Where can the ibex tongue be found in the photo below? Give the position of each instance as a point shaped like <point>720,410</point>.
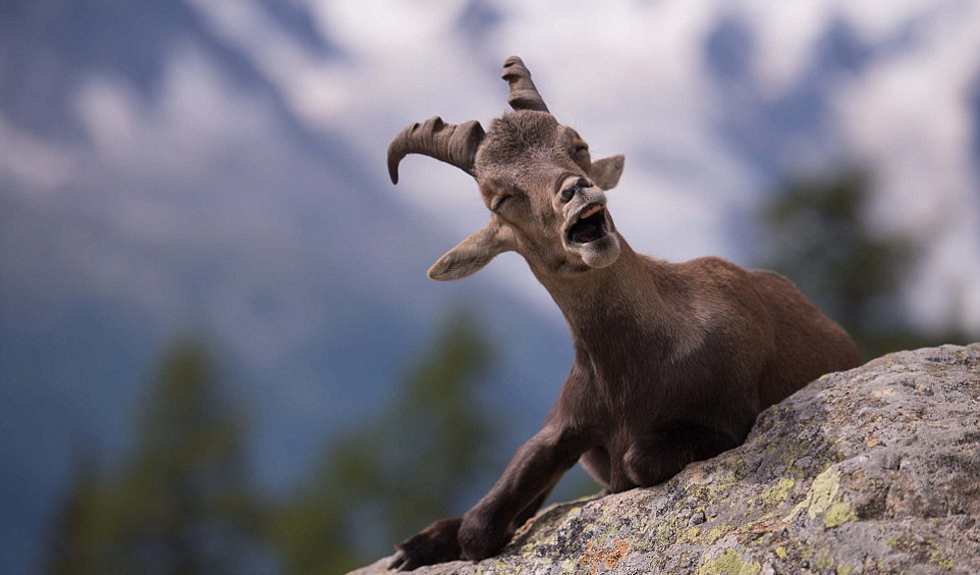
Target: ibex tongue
<point>589,211</point>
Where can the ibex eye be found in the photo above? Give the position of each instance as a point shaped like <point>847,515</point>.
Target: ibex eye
<point>568,193</point>
<point>499,202</point>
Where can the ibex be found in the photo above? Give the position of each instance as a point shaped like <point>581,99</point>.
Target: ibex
<point>673,361</point>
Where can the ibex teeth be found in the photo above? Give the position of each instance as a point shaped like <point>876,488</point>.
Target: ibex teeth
<point>589,211</point>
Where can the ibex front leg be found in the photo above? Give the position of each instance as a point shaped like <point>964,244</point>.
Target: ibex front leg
<point>483,530</point>
<point>535,468</point>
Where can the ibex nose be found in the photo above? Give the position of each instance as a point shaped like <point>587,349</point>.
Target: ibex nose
<point>570,190</point>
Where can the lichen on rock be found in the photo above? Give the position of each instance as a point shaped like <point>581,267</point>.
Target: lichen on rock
<point>870,471</point>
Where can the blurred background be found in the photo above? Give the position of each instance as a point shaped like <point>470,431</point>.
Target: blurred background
<point>219,352</point>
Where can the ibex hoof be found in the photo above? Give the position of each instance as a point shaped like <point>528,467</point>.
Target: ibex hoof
<point>437,543</point>
<point>479,538</point>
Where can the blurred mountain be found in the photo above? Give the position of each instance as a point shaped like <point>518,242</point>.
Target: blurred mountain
<point>136,204</point>
<point>217,169</point>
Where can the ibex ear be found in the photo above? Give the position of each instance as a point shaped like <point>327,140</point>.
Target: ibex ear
<point>471,254</point>
<point>605,172</point>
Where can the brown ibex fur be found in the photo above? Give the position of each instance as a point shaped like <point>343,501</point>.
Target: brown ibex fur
<point>673,362</point>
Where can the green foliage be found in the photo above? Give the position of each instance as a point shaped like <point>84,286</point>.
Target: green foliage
<point>181,504</point>
<point>411,463</point>
<point>818,238</point>
<point>82,537</point>
<point>189,508</point>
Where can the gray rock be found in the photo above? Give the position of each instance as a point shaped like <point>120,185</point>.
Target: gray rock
<point>874,470</point>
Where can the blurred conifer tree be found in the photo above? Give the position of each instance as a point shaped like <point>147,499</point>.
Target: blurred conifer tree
<point>412,463</point>
<point>182,504</point>
<point>82,528</point>
<point>188,506</point>
<point>819,240</point>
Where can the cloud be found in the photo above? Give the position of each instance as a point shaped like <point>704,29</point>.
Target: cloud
<point>32,162</point>
<point>910,118</point>
<point>631,77</point>
<point>202,189</point>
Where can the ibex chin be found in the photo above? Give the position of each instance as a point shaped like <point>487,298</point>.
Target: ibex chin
<point>673,361</point>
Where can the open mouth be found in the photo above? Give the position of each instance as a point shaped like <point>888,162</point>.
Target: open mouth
<point>590,225</point>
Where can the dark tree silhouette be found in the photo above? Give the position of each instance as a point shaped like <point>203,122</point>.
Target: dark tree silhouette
<point>411,464</point>
<point>81,535</point>
<point>818,239</point>
<point>181,504</point>
<point>189,508</point>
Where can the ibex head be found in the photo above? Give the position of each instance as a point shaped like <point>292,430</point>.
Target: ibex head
<point>545,194</point>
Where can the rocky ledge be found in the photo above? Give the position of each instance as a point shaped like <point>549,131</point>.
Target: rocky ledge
<point>873,470</point>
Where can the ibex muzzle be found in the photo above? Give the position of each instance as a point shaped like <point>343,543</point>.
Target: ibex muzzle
<point>673,362</point>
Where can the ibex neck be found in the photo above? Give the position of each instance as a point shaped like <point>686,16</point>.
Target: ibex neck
<point>599,302</point>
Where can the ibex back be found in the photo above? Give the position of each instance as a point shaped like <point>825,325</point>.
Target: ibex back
<point>673,362</point>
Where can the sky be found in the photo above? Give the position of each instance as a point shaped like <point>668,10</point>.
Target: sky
<point>219,166</point>
<point>716,101</point>
<point>712,102</point>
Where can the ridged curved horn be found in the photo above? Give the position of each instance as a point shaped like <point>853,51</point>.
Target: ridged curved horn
<point>450,143</point>
<point>523,95</point>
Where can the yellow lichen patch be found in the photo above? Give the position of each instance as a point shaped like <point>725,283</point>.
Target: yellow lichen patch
<point>715,533</point>
<point>595,555</point>
<point>844,569</point>
<point>939,559</point>
<point>781,552</point>
<point>823,559</point>
<point>822,498</point>
<point>823,491</point>
<point>839,513</point>
<point>779,493</point>
<point>689,536</point>
<point>667,531</point>
<point>729,563</point>
<point>721,482</point>
<point>568,567</point>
